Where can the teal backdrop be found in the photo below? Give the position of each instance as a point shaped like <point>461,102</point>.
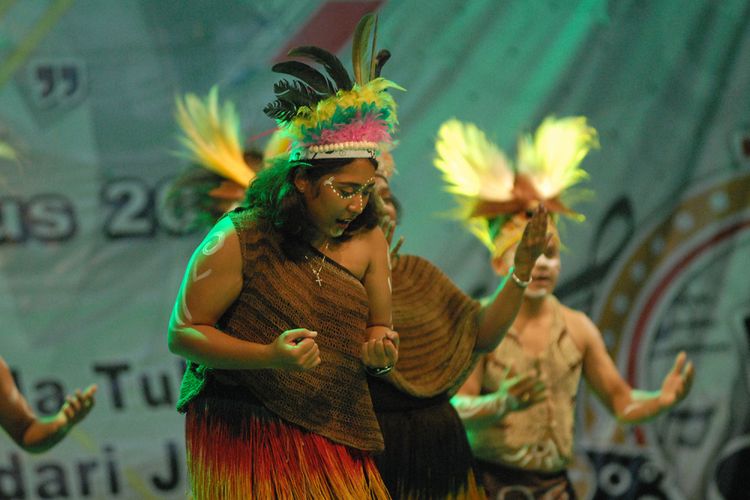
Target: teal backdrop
<point>91,256</point>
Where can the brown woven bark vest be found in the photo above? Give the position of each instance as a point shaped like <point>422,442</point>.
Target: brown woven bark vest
<point>280,294</point>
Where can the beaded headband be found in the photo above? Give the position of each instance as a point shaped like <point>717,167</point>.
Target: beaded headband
<point>352,149</point>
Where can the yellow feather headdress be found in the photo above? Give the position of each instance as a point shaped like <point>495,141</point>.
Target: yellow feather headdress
<point>211,136</point>
<point>221,169</point>
<point>495,196</point>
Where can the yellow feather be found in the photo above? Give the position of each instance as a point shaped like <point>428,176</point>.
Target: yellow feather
<point>210,136</point>
<point>552,157</point>
<point>278,144</point>
<point>480,227</point>
<point>472,165</point>
<point>473,169</point>
<point>6,151</point>
<point>372,92</point>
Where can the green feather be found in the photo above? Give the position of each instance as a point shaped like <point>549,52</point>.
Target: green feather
<point>330,62</point>
<point>360,44</point>
<point>373,58</point>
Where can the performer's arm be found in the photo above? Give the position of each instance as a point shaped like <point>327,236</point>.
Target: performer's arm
<point>377,281</point>
<point>212,282</point>
<point>474,408</point>
<point>38,434</point>
<point>515,393</point>
<point>627,404</point>
<point>500,312</point>
<point>381,348</point>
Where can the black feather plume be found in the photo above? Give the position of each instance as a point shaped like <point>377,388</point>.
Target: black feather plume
<point>309,75</point>
<point>281,110</point>
<point>380,61</point>
<point>330,62</point>
<point>296,92</point>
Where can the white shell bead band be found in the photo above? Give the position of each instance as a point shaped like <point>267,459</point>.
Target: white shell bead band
<point>340,150</point>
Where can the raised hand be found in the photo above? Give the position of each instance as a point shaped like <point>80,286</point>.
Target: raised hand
<point>44,433</point>
<point>78,405</point>
<point>295,350</point>
<point>533,243</point>
<point>678,381</point>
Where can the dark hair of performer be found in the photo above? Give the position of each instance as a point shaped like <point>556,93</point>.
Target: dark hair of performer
<point>274,197</point>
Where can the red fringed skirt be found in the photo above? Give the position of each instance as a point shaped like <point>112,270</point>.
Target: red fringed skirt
<point>239,450</point>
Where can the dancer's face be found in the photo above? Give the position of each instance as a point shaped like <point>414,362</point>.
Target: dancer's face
<point>544,274</point>
<point>338,198</point>
<point>384,191</point>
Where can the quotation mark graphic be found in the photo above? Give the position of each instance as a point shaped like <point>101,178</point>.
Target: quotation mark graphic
<point>57,83</point>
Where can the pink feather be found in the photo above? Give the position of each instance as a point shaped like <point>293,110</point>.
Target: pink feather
<point>369,129</point>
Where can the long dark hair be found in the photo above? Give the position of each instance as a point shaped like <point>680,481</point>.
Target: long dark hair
<point>275,200</point>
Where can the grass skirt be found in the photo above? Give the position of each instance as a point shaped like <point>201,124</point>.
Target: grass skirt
<point>239,450</point>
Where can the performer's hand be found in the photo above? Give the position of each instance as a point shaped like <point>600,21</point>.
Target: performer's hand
<point>77,406</point>
<point>677,383</point>
<point>533,243</point>
<point>295,350</point>
<point>382,352</point>
<point>44,433</point>
<point>389,228</point>
<point>522,391</point>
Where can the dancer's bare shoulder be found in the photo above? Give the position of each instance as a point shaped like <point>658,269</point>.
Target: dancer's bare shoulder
<point>582,330</point>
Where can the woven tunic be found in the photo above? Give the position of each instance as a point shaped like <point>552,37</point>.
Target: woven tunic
<point>280,294</point>
<point>539,438</point>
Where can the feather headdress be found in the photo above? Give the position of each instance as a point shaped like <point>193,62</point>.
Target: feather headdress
<point>336,116</point>
<point>221,170</point>
<point>493,194</point>
<point>211,136</point>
